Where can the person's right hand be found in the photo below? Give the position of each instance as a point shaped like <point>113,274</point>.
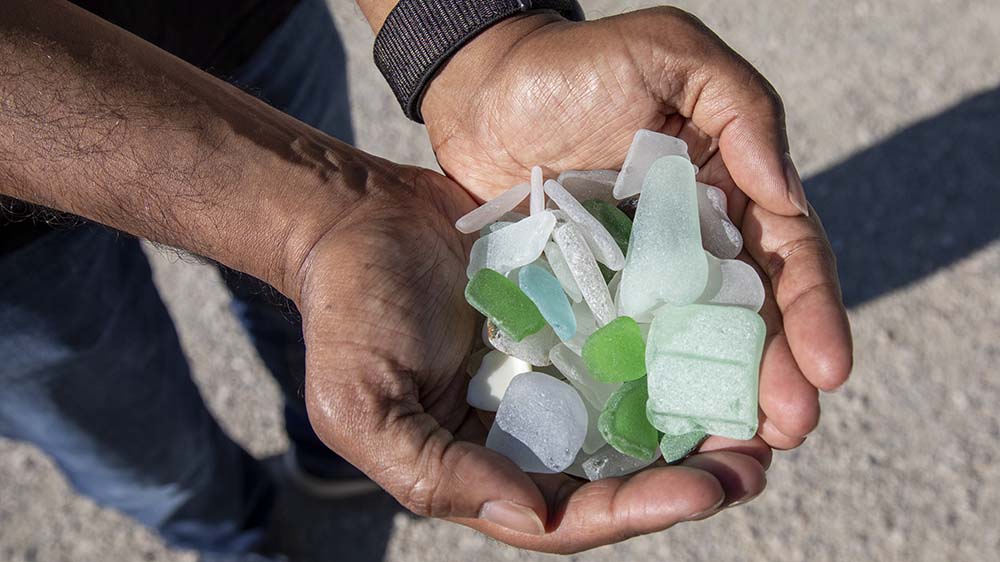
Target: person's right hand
<point>388,333</point>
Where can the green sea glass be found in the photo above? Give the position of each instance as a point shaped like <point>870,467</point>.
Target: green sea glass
<point>703,364</point>
<point>676,447</point>
<point>616,352</point>
<point>499,299</point>
<point>614,220</point>
<point>624,425</point>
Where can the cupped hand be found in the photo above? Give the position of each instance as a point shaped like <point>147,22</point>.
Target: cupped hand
<point>388,333</point>
<point>541,90</point>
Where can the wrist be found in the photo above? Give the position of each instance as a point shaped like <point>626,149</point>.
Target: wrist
<point>455,85</point>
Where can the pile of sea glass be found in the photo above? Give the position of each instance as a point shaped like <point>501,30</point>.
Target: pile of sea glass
<point>613,341</point>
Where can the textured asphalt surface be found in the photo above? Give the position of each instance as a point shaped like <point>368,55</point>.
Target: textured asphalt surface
<point>894,118</point>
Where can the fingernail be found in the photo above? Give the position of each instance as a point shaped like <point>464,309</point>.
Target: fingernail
<point>512,516</point>
<point>796,193</point>
<point>708,512</point>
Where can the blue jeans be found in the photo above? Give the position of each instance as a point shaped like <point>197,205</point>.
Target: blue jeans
<point>92,371</point>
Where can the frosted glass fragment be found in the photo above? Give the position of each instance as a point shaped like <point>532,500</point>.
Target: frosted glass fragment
<point>493,209</point>
<point>666,262</point>
<point>537,204</point>
<point>734,283</point>
<point>594,440</point>
<point>510,447</point>
<point>576,469</point>
<point>571,365</point>
<point>676,447</point>
<point>604,247</point>
<point>518,244</point>
<point>547,416</point>
<point>534,348</point>
<point>492,377</point>
<point>609,463</point>
<point>589,184</point>
<point>703,363</point>
<point>585,271</point>
<point>647,146</point>
<point>586,324</point>
<point>545,291</point>
<point>718,234</point>
<point>561,270</point>
<point>493,227</point>
<point>499,299</point>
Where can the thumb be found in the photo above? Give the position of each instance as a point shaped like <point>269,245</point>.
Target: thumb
<point>737,106</point>
<point>379,427</point>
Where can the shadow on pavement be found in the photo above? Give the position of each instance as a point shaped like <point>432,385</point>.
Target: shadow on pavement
<point>916,202</point>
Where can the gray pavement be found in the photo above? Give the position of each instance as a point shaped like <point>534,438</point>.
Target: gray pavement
<point>894,117</point>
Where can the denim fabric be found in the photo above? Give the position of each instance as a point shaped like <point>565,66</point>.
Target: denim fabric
<point>92,371</point>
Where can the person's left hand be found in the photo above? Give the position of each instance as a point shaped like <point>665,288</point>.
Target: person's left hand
<point>537,89</point>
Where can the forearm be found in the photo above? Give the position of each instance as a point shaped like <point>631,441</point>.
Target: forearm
<point>96,122</point>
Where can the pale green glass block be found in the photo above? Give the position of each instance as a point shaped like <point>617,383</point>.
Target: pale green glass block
<point>676,447</point>
<point>513,246</point>
<point>666,262</point>
<point>571,365</point>
<point>703,363</point>
<point>545,291</point>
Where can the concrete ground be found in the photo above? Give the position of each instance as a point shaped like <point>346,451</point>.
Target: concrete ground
<point>894,118</point>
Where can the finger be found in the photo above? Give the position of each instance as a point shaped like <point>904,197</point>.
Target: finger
<point>756,448</point>
<point>795,255</point>
<point>407,452</point>
<point>789,400</point>
<point>738,106</point>
<point>592,514</point>
<point>742,477</point>
<point>775,438</point>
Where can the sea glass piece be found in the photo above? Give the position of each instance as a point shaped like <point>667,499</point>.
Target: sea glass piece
<point>676,447</point>
<point>513,246</point>
<point>534,348</point>
<point>666,262</point>
<point>547,416</point>
<point>616,352</point>
<point>604,247</point>
<point>647,147</point>
<point>594,440</point>
<point>593,391</point>
<point>499,299</point>
<point>492,378</point>
<point>733,283</point>
<point>613,219</point>
<point>610,463</point>
<point>493,227</point>
<point>703,364</point>
<point>492,210</point>
<point>586,324</point>
<point>584,269</point>
<point>537,203</point>
<point>589,184</point>
<point>512,448</point>
<point>561,270</point>
<point>718,234</point>
<point>545,291</point>
<point>624,425</point>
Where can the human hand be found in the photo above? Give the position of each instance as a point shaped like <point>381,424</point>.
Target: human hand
<point>388,333</point>
<point>541,90</point>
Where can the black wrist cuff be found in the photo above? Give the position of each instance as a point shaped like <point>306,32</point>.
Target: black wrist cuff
<point>419,36</point>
